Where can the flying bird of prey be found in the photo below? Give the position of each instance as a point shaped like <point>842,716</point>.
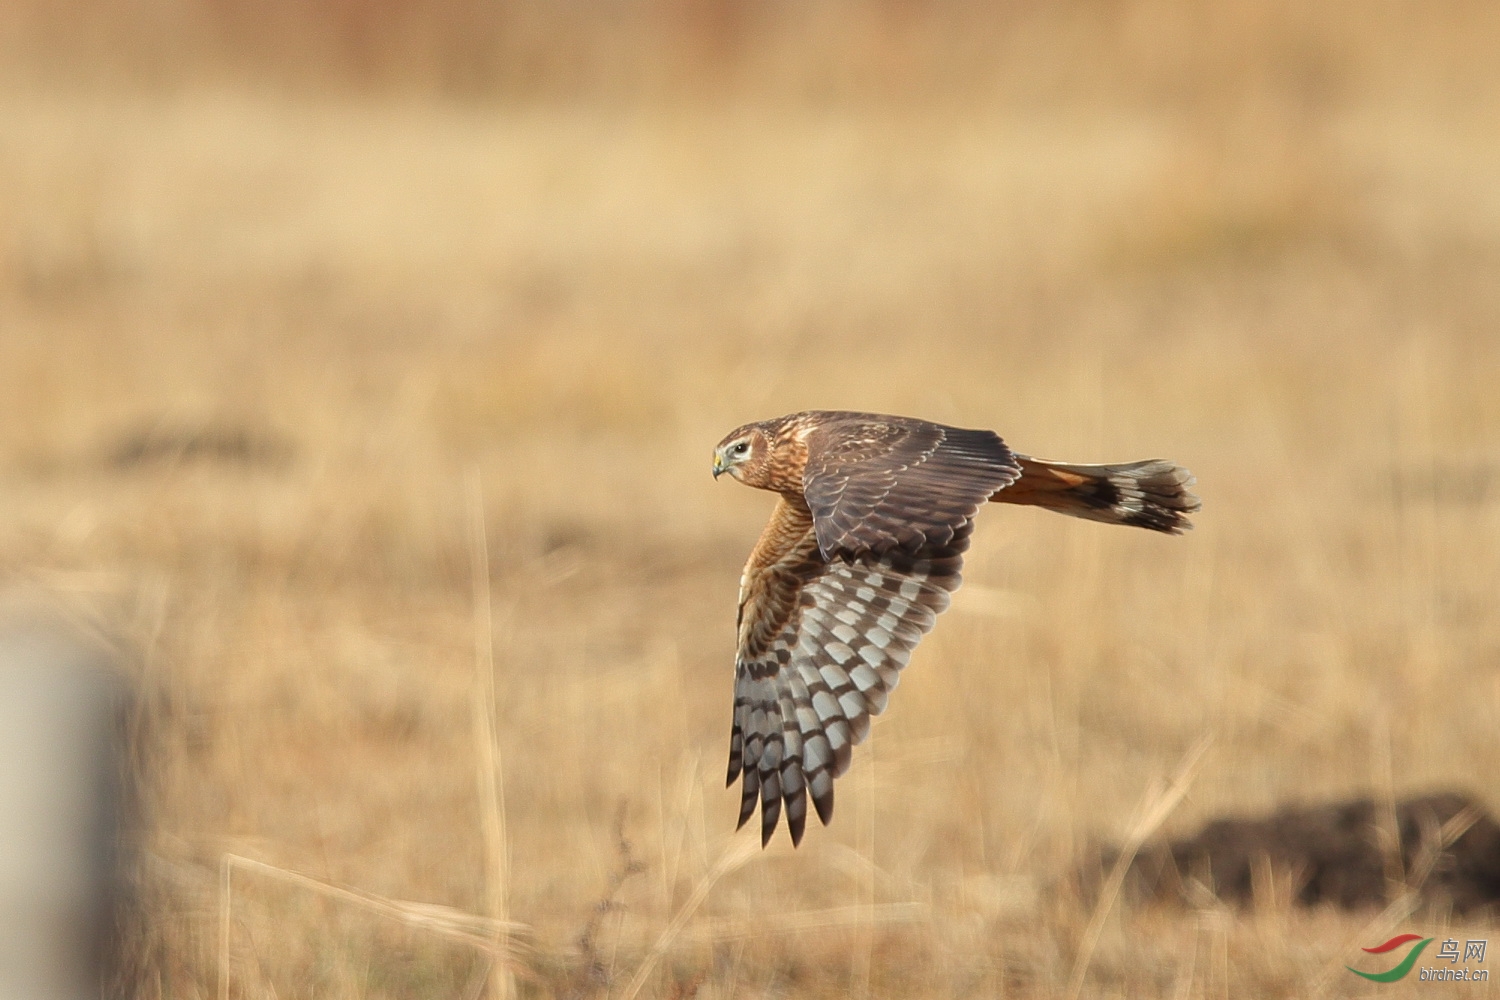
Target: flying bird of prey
<point>859,557</point>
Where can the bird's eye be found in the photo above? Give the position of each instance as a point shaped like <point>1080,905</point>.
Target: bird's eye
<point>740,449</point>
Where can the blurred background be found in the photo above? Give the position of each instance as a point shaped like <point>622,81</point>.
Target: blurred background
<point>356,356</point>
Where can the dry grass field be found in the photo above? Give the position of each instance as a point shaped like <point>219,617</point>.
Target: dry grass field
<point>294,345</point>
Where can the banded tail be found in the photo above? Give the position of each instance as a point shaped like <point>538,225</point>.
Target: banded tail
<point>1151,494</point>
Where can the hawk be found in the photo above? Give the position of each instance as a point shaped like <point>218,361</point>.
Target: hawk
<point>860,555</point>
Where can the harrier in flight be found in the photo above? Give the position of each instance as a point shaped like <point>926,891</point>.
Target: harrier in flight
<point>860,555</point>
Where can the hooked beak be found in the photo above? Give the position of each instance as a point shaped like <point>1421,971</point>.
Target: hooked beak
<point>719,467</point>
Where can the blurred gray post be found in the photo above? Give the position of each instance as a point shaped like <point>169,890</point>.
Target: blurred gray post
<point>60,706</point>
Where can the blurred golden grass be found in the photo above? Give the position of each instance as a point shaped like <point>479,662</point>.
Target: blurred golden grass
<point>1263,244</point>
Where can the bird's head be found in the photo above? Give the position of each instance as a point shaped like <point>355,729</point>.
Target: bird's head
<point>745,453</point>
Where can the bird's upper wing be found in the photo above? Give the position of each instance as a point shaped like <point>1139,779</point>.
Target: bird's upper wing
<point>875,483</point>
<point>821,645</point>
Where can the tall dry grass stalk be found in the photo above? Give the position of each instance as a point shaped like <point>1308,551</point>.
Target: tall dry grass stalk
<point>491,775</point>
<point>1151,813</point>
<point>735,853</point>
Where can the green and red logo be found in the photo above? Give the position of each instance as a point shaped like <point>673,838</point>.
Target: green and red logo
<point>1405,965</point>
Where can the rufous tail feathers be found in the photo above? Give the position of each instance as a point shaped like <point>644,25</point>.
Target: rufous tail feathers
<point>1151,494</point>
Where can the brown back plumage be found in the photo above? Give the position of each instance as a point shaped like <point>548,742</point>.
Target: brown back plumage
<point>874,483</point>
